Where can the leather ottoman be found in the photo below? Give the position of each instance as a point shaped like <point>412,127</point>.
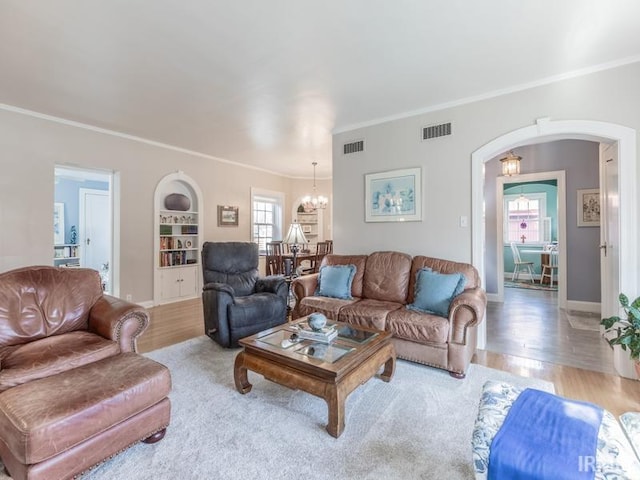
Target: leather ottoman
<point>62,425</point>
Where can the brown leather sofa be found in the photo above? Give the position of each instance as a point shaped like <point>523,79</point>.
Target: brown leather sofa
<point>384,283</point>
<point>72,389</point>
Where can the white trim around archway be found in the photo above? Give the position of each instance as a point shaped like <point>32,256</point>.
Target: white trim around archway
<point>546,130</point>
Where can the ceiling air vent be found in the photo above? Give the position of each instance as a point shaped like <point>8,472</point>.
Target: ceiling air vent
<point>435,131</point>
<point>353,147</point>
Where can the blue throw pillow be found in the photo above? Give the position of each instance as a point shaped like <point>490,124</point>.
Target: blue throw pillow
<point>335,281</point>
<point>434,291</point>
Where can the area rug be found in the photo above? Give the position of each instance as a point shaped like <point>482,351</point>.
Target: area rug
<point>529,286</point>
<point>584,320</point>
<point>417,426</point>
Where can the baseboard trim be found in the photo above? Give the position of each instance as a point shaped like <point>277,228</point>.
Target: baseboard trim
<point>148,304</point>
<point>523,275</point>
<point>493,297</point>
<point>593,307</point>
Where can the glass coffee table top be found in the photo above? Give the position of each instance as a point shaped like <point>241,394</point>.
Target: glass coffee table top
<point>327,352</point>
<point>349,338</point>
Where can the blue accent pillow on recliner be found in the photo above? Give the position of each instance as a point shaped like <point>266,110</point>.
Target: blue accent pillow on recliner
<point>434,291</point>
<point>335,281</point>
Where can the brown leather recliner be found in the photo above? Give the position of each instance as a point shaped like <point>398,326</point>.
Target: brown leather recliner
<point>67,349</point>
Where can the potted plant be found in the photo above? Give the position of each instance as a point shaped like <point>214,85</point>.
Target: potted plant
<point>626,331</point>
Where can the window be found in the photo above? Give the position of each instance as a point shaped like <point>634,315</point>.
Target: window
<point>266,217</point>
<point>524,218</point>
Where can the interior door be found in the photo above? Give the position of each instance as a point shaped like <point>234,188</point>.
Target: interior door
<point>609,229</point>
<point>95,231</point>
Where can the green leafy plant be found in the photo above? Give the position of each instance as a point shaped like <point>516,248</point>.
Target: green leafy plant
<point>626,330</point>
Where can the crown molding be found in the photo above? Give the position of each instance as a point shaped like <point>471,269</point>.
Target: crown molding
<point>493,94</point>
<point>134,138</point>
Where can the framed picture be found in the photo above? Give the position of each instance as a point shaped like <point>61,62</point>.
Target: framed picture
<point>393,196</point>
<point>306,228</point>
<point>227,216</point>
<point>588,207</point>
<point>58,223</point>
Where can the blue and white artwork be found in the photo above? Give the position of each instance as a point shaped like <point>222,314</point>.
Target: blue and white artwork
<point>393,196</point>
<point>58,223</point>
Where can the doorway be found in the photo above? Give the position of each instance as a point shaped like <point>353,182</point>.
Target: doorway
<point>95,232</point>
<point>87,199</point>
<point>531,239</point>
<point>545,130</point>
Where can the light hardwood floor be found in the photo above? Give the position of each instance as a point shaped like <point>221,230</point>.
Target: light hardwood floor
<point>177,322</point>
<point>529,324</point>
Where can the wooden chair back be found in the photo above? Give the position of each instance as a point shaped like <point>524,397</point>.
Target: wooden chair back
<point>330,246</point>
<point>322,248</point>
<point>274,261</point>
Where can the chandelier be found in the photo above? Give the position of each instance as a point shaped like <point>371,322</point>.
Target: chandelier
<point>315,201</point>
<point>510,164</point>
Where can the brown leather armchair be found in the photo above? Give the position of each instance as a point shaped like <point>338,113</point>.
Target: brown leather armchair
<point>55,319</point>
<point>67,349</point>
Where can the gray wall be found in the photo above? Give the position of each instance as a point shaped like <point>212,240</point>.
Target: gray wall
<point>579,160</point>
<point>609,96</point>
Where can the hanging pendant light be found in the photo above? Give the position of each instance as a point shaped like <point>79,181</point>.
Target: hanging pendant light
<point>523,203</point>
<point>314,202</point>
<point>510,164</point>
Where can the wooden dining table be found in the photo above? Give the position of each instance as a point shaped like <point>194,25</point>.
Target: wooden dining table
<point>300,257</point>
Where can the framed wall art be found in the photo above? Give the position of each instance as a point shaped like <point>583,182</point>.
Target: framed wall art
<point>393,196</point>
<point>588,207</point>
<point>227,216</point>
<point>58,223</point>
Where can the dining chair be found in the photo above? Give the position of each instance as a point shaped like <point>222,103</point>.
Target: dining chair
<point>518,263</point>
<point>329,246</point>
<point>274,261</point>
<point>550,266</point>
<point>322,248</point>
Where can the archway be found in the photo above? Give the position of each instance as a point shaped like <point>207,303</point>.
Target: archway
<point>547,130</point>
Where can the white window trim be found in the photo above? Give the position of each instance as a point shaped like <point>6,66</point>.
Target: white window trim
<point>542,197</point>
<point>279,198</point>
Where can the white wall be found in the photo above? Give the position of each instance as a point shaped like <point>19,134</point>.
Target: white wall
<point>31,147</point>
<point>608,96</point>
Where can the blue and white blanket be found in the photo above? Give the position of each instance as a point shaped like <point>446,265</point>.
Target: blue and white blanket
<point>546,437</point>
<point>614,458</point>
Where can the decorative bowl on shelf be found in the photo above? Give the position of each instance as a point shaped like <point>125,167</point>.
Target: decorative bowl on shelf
<point>317,321</point>
<point>177,201</point>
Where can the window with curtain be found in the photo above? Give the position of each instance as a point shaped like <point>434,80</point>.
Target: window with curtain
<point>524,218</point>
<point>266,217</point>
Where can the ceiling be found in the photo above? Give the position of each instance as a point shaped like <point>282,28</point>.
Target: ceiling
<point>265,83</point>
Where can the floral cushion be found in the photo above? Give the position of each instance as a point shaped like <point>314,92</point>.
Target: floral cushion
<point>631,423</point>
<point>615,458</point>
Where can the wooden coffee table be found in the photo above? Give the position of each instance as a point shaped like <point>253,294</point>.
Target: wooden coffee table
<point>330,371</point>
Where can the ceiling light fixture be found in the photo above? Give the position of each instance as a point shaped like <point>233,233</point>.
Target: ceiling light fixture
<point>315,201</point>
<point>510,164</point>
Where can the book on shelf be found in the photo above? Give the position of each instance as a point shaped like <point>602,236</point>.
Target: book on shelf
<point>325,334</point>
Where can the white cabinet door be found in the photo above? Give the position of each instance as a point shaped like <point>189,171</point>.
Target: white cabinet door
<point>170,283</point>
<point>179,282</point>
<point>188,281</point>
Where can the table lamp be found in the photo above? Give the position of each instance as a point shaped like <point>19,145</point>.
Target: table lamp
<point>294,238</point>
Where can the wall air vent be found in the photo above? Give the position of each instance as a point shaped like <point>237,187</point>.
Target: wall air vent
<point>353,147</point>
<point>435,131</point>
